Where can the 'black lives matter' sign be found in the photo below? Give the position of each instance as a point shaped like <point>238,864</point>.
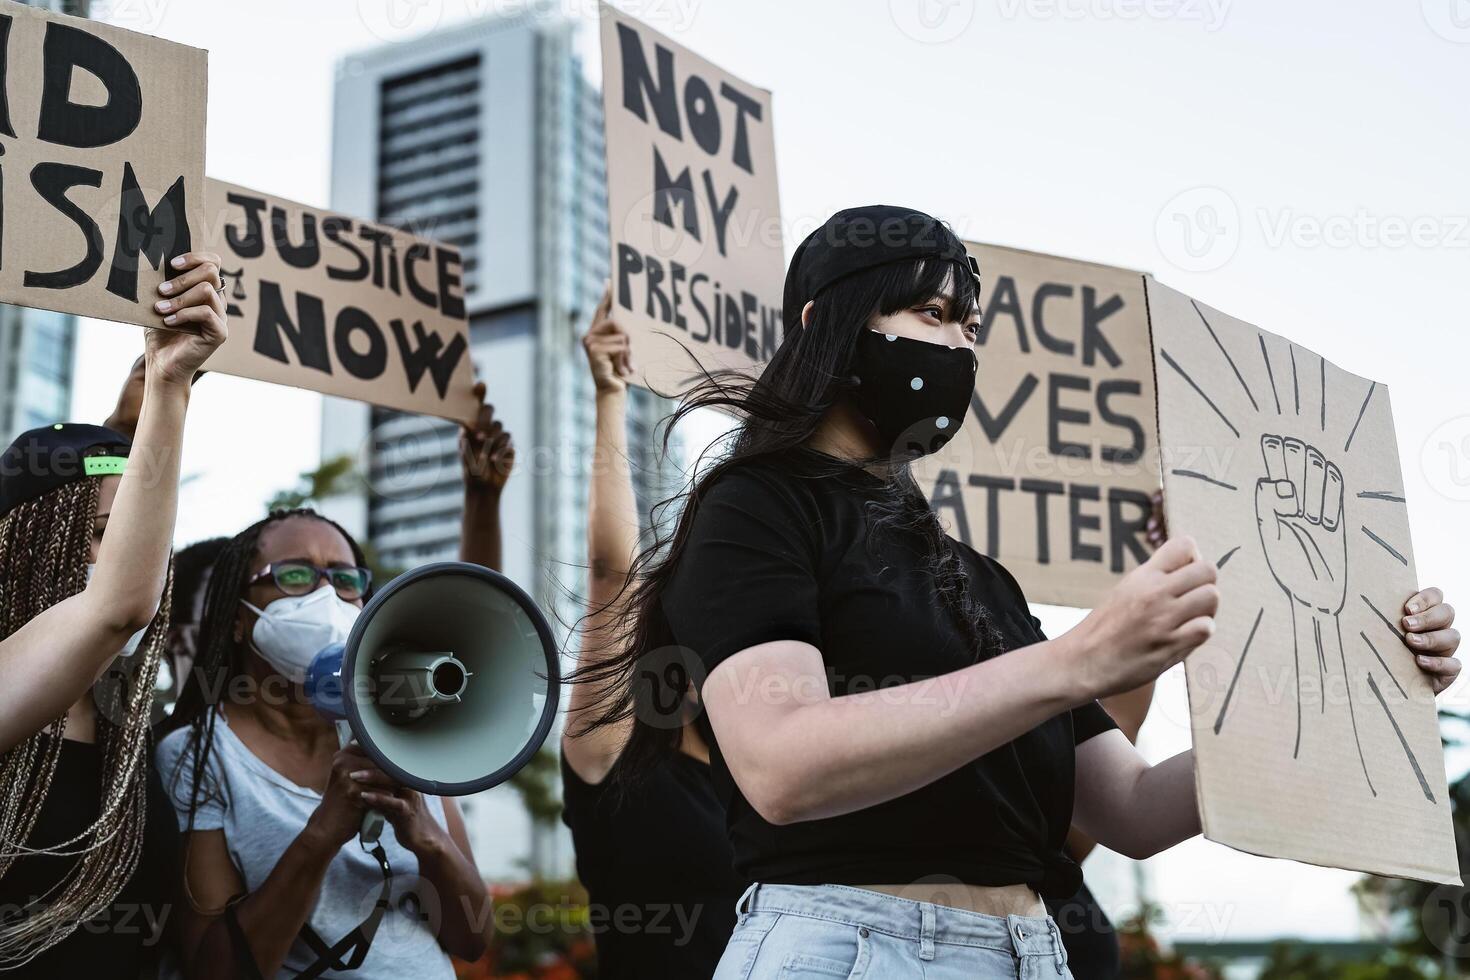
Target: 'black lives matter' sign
<point>101,161</point>
<point>339,305</point>
<point>693,208</point>
<point>1057,462</point>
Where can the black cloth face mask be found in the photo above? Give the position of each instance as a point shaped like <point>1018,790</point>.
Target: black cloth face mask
<point>915,393</point>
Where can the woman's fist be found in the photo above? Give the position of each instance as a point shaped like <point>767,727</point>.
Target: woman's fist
<point>193,313</point>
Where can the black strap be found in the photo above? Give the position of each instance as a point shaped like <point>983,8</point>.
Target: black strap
<point>358,941</point>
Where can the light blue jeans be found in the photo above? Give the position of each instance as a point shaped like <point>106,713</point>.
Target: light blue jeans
<point>811,931</point>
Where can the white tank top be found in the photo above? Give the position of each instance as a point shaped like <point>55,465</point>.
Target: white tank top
<point>262,813</point>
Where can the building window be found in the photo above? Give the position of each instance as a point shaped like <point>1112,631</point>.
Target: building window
<point>429,155</point>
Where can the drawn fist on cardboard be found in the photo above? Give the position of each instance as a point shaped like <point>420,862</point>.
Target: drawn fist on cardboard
<point>1299,511</point>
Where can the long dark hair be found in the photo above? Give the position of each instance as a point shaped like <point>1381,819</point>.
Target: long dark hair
<point>221,659</point>
<point>778,413</point>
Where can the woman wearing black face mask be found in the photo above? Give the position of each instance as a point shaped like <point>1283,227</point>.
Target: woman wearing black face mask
<point>908,831</point>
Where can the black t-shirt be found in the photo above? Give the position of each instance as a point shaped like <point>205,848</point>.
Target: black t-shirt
<point>126,936</point>
<point>776,552</point>
<point>658,870</point>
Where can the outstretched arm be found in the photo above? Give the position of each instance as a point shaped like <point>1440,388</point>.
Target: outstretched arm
<point>859,751</point>
<point>1128,711</point>
<point>1127,805</point>
<point>51,661</point>
<point>612,542</point>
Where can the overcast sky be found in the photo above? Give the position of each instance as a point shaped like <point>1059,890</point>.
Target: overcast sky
<point>1298,165</point>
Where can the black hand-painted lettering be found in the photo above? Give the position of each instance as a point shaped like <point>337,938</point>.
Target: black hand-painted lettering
<point>52,181</point>
<point>307,333</point>
<point>158,233</point>
<point>63,121</point>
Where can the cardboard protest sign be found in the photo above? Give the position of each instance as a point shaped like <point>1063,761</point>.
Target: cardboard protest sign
<point>1054,469</point>
<point>339,305</point>
<point>102,132</point>
<point>693,208</point>
<point>1315,735</point>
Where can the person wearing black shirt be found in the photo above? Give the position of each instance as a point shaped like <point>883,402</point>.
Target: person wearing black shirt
<point>899,748</point>
<point>653,856</point>
<point>86,525</point>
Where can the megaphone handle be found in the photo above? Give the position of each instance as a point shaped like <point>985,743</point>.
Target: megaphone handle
<point>372,820</point>
<point>372,829</point>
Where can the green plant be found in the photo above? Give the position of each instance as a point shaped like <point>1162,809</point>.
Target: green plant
<point>1295,963</point>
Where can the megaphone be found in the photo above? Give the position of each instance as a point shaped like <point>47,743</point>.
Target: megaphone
<point>449,681</point>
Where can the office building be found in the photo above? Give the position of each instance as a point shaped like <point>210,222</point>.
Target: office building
<point>488,136</point>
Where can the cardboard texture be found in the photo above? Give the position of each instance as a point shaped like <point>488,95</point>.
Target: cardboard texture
<point>1053,471</point>
<point>693,209</point>
<point>338,305</point>
<point>103,141</point>
<point>1316,737</point>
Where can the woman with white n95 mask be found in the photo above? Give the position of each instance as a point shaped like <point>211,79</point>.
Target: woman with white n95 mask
<point>270,804</point>
<point>290,632</point>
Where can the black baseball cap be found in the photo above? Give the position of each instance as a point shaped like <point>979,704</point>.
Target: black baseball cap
<point>858,239</point>
<point>54,456</point>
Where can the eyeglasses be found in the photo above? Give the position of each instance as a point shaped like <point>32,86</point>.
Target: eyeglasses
<point>302,578</point>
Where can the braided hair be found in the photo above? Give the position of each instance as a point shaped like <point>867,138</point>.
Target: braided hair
<point>44,551</point>
<point>221,659</point>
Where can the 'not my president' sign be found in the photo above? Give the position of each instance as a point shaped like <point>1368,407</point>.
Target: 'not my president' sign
<point>339,305</point>
<point>693,208</point>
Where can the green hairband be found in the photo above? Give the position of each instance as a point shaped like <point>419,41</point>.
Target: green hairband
<point>104,465</point>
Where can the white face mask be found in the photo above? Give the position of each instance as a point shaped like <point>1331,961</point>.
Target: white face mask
<point>291,631</point>
<point>134,641</point>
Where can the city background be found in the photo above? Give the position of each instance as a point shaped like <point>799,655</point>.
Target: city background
<point>1264,157</point>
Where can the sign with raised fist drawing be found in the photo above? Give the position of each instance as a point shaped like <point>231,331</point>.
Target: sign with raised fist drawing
<point>1316,737</point>
<point>1299,512</point>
